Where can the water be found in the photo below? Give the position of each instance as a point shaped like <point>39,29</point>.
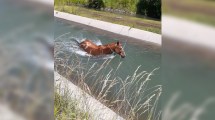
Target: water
<point>27,65</point>
<point>188,80</point>
<point>139,54</point>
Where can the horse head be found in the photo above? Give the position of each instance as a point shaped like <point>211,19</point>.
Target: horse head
<point>119,49</point>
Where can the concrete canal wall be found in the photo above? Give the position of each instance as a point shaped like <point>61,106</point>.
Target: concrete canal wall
<point>88,104</point>
<point>114,28</point>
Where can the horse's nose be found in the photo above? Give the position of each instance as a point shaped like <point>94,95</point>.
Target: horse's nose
<point>123,56</point>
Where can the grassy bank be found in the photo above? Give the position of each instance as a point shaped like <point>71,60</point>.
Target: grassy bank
<point>65,108</point>
<point>149,8</point>
<point>128,5</point>
<point>196,10</point>
<point>134,22</point>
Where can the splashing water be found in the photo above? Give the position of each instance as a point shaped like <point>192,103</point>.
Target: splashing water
<point>69,43</point>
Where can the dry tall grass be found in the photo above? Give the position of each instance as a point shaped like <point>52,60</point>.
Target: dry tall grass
<point>130,97</point>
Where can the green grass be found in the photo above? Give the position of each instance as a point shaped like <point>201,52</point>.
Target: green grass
<point>65,2</point>
<point>133,22</point>
<point>127,5</point>
<point>65,108</point>
<point>200,18</point>
<point>205,3</point>
<point>195,14</point>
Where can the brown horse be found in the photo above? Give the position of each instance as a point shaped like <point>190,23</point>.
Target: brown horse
<point>95,50</point>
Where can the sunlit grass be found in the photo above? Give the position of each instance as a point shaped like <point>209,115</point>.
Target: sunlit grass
<point>129,5</point>
<point>131,21</point>
<point>196,10</point>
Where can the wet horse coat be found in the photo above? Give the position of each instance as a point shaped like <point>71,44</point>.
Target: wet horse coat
<point>95,50</point>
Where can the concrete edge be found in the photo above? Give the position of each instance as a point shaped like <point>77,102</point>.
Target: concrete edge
<point>188,31</point>
<point>114,28</point>
<point>6,113</point>
<point>46,2</point>
<point>86,102</point>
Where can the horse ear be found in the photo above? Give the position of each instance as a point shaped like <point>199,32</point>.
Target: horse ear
<point>117,42</point>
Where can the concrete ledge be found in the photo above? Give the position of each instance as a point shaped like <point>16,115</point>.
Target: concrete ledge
<point>188,31</point>
<point>97,110</point>
<point>6,113</point>
<point>114,28</point>
<point>47,2</point>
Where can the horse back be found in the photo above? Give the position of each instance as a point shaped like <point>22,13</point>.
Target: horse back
<point>88,45</point>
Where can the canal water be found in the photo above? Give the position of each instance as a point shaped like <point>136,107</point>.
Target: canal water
<point>26,73</point>
<point>139,54</point>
